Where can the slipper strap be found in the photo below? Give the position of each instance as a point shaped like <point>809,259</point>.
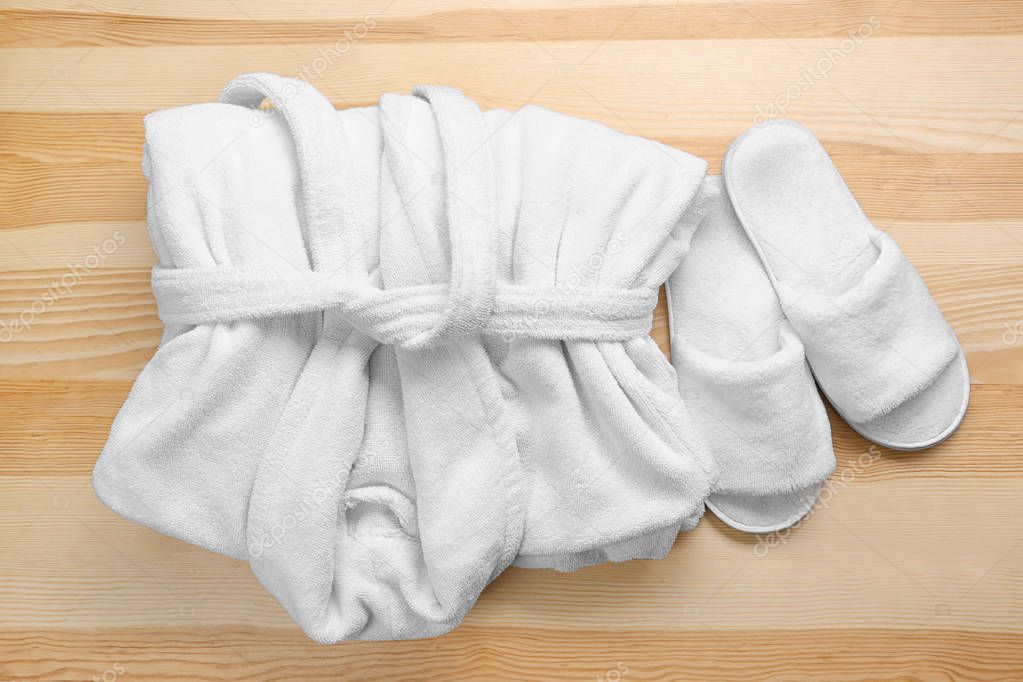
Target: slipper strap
<point>879,343</point>
<point>768,429</point>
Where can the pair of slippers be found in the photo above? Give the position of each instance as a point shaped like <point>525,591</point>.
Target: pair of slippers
<point>787,281</point>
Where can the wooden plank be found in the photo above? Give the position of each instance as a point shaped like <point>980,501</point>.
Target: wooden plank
<point>49,24</point>
<point>515,654</point>
<point>958,104</point>
<point>102,324</point>
<point>50,177</point>
<point>861,558</point>
<point>57,428</point>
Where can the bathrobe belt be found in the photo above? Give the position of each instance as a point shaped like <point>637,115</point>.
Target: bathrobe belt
<point>404,316</point>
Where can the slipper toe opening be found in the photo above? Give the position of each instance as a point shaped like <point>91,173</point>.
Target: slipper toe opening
<point>764,513</point>
<point>926,419</point>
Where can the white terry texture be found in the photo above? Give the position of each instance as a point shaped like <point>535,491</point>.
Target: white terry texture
<point>874,336</point>
<point>389,415</point>
<point>744,377</point>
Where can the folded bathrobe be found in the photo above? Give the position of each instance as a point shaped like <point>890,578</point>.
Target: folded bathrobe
<point>405,346</point>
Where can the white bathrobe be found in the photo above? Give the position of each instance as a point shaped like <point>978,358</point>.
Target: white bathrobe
<point>405,346</point>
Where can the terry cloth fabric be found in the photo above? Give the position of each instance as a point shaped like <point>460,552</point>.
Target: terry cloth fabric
<point>406,345</point>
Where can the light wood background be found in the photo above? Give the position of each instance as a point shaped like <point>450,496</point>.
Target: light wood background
<point>913,569</point>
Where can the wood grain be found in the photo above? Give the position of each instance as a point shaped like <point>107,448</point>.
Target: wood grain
<point>911,567</point>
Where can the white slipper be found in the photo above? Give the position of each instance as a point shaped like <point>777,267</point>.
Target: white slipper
<point>875,339</point>
<point>744,378</point>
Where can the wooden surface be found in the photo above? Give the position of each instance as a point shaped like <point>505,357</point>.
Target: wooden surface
<point>913,569</point>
